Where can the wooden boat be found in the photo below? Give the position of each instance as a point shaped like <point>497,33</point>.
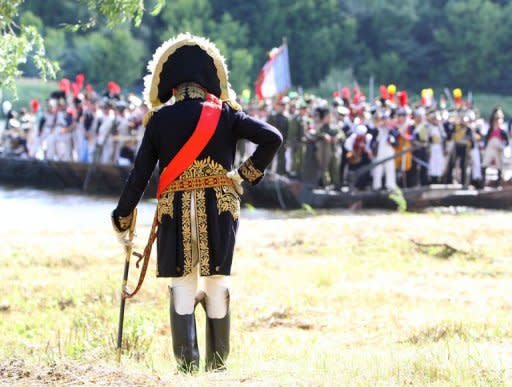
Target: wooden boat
<point>274,191</point>
<point>104,179</point>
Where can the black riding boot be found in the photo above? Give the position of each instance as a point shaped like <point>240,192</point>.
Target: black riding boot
<point>184,339</point>
<point>217,339</point>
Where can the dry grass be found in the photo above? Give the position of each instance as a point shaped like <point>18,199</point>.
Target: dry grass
<point>338,299</point>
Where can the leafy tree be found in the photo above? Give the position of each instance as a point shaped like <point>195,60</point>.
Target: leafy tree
<point>21,42</point>
<point>18,42</point>
<point>414,43</point>
<point>197,17</point>
<point>471,41</point>
<point>107,55</point>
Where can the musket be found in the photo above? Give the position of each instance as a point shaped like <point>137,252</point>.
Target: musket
<point>128,252</point>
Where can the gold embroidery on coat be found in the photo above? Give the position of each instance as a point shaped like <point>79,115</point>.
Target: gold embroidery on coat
<point>166,205</point>
<point>227,198</point>
<point>249,171</point>
<point>228,201</point>
<point>186,232</point>
<point>202,232</point>
<point>189,90</point>
<point>204,167</point>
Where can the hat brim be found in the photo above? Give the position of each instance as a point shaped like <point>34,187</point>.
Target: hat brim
<point>204,63</point>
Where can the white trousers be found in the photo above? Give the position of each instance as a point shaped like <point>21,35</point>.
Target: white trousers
<point>215,287</point>
<point>387,168</point>
<point>185,289</point>
<point>436,162</point>
<point>476,164</point>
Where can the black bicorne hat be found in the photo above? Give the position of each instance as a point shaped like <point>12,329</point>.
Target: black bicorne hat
<point>186,58</point>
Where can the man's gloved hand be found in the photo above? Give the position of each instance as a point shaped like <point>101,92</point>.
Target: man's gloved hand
<point>121,225</point>
<point>237,181</point>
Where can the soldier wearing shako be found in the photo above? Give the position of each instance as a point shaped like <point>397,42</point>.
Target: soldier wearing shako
<point>194,141</point>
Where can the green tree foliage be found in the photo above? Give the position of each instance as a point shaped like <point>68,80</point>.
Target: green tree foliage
<point>106,55</point>
<point>22,39</point>
<point>413,43</point>
<point>198,17</point>
<point>472,41</point>
<point>18,43</point>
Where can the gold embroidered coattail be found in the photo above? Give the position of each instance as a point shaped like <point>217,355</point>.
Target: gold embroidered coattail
<point>186,231</point>
<point>202,232</point>
<point>166,205</point>
<point>249,172</point>
<point>227,201</point>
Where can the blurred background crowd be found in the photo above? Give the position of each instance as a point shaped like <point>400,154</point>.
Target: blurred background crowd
<point>348,140</point>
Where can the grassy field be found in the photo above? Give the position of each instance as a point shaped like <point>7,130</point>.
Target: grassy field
<point>341,299</point>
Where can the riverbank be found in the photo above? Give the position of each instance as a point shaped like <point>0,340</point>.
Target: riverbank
<point>317,300</point>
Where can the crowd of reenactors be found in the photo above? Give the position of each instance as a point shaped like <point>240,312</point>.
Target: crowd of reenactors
<point>385,143</point>
<point>348,140</point>
<point>76,124</point>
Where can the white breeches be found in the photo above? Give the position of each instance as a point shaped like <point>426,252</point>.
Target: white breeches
<point>476,164</point>
<point>185,289</point>
<point>387,168</point>
<point>215,287</point>
<point>436,162</point>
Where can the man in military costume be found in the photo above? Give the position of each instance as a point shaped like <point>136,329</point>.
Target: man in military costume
<point>461,136</point>
<point>295,134</point>
<point>436,135</point>
<point>280,121</point>
<point>384,141</point>
<point>359,155</point>
<point>421,153</point>
<point>329,138</point>
<point>198,209</point>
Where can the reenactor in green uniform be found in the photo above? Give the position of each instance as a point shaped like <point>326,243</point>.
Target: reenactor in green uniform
<point>295,134</point>
<point>329,138</point>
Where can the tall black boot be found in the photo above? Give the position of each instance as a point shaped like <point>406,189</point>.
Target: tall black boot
<point>184,339</point>
<point>217,339</point>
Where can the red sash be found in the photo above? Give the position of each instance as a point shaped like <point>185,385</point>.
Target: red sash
<point>204,131</point>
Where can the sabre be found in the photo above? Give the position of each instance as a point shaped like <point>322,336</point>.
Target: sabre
<point>128,251</point>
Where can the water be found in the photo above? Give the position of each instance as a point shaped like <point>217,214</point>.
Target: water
<point>23,208</point>
<point>45,208</point>
<point>29,207</point>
